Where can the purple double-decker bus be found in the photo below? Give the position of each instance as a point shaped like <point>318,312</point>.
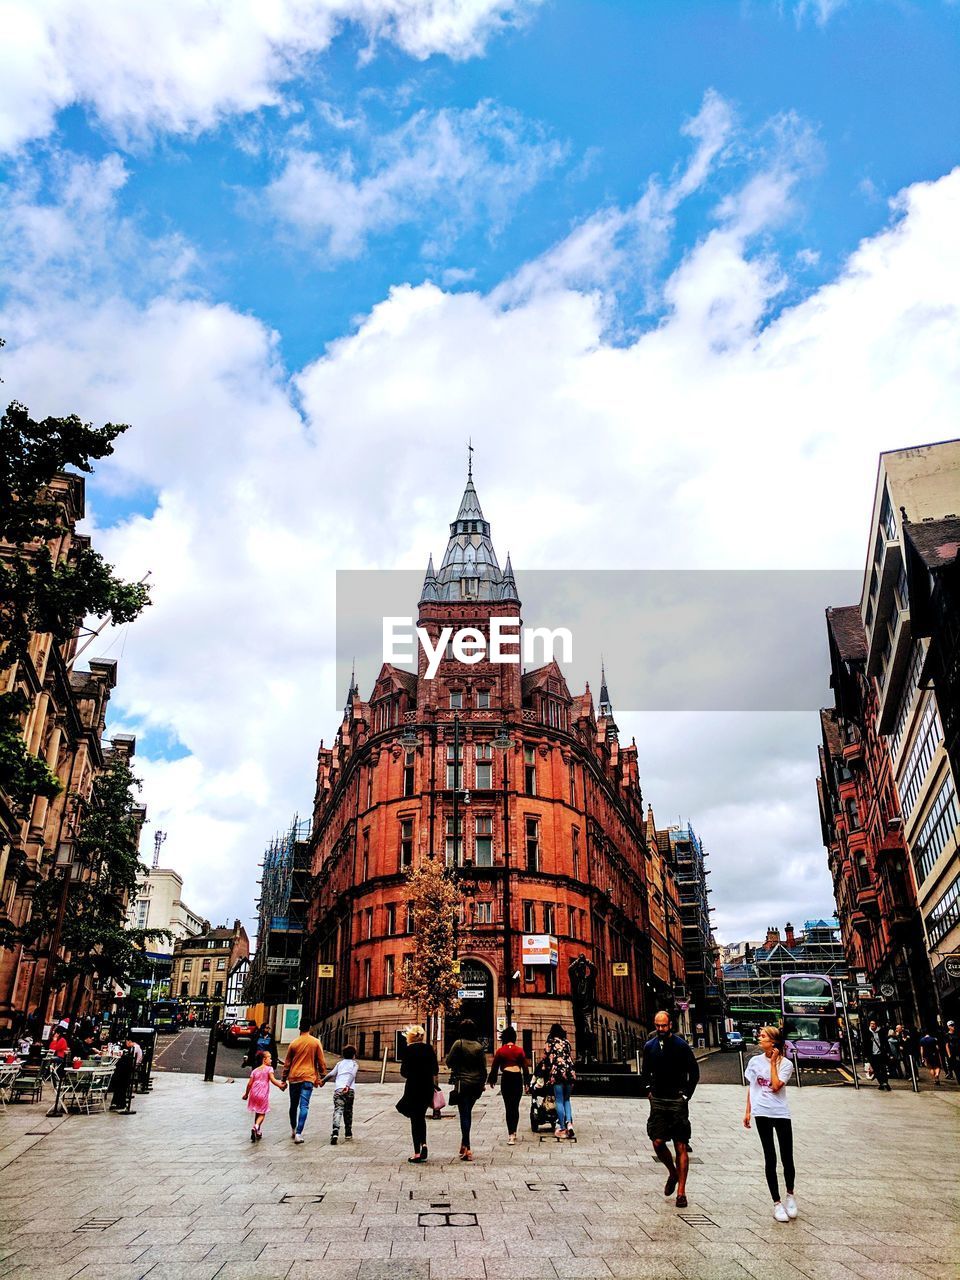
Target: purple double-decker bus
<point>810,1026</point>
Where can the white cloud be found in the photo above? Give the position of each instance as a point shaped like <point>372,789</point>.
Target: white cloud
<point>184,67</point>
<point>64,234</point>
<point>458,167</point>
<point>822,10</point>
<point>720,437</point>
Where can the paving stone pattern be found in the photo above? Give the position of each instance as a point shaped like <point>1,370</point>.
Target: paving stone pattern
<point>178,1192</point>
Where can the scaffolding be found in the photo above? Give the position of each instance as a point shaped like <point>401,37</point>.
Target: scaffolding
<point>752,987</point>
<point>275,968</point>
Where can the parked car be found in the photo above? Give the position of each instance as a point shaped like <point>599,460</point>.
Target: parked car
<point>223,1028</point>
<point>734,1040</point>
<point>242,1029</point>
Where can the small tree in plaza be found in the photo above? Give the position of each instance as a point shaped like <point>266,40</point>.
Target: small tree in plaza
<point>430,986</point>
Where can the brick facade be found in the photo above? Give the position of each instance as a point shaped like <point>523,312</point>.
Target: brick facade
<point>862,826</point>
<point>554,825</point>
<point>64,724</point>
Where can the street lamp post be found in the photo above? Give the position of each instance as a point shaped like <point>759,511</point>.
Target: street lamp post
<point>501,743</point>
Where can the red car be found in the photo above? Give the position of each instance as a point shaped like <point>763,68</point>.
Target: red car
<point>244,1029</point>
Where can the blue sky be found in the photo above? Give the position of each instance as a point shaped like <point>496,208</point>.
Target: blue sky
<point>611,84</point>
<point>681,270</point>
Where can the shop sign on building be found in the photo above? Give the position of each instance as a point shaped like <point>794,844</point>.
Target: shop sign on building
<point>324,970</point>
<point>620,968</point>
<point>540,948</point>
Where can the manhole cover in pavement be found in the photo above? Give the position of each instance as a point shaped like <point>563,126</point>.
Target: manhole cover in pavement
<point>97,1224</point>
<point>698,1220</point>
<point>301,1199</point>
<point>547,1186</point>
<point>446,1219</point>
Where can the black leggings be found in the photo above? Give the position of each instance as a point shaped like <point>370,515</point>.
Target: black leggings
<point>468,1095</point>
<point>511,1090</point>
<point>418,1131</point>
<point>767,1126</point>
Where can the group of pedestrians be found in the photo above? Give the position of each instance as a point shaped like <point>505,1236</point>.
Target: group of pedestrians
<point>469,1076</point>
<point>669,1076</point>
<point>304,1069</point>
<point>890,1051</point>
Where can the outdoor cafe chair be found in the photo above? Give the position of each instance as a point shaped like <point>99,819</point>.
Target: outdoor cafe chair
<point>29,1080</point>
<point>8,1074</point>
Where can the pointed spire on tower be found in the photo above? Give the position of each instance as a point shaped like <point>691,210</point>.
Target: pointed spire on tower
<point>429,591</point>
<point>469,569</point>
<point>605,707</point>
<point>509,589</point>
<point>353,690</point>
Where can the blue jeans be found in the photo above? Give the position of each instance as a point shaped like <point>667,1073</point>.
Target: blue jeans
<point>561,1094</point>
<point>300,1094</point>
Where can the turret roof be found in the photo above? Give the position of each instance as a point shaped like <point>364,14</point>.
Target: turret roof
<point>470,569</point>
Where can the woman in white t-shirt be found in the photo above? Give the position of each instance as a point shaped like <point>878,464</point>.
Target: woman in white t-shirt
<point>767,1075</point>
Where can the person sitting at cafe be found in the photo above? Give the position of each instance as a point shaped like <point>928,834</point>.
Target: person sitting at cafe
<point>35,1052</point>
<point>58,1045</point>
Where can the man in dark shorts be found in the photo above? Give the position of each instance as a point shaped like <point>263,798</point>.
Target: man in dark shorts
<point>670,1074</point>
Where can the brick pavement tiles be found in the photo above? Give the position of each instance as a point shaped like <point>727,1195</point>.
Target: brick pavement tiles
<point>178,1192</point>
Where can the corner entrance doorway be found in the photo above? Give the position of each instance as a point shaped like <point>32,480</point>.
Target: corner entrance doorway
<point>476,1002</point>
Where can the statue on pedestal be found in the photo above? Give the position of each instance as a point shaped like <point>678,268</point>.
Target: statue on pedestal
<point>583,992</point>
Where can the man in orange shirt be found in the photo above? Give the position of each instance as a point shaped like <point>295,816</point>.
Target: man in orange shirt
<point>303,1069</point>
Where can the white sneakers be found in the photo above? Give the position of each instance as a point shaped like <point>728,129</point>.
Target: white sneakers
<point>298,1137</point>
<point>791,1207</point>
<point>780,1213</point>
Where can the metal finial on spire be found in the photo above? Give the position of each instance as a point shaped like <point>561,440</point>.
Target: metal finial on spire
<point>469,457</point>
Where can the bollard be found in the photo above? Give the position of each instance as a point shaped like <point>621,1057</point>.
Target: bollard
<point>383,1067</point>
<point>796,1063</point>
<point>742,1076</point>
<point>211,1064</point>
<point>638,1062</point>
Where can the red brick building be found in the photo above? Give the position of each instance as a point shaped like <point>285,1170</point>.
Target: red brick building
<point>862,828</point>
<point>551,838</point>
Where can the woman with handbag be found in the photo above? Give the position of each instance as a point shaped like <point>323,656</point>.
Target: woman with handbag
<point>420,1070</point>
<point>558,1061</point>
<point>468,1067</point>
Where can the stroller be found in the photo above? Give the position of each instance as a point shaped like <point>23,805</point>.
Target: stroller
<point>543,1109</point>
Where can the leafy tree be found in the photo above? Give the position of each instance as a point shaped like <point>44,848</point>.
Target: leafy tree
<point>430,986</point>
<point>94,933</point>
<point>36,593</point>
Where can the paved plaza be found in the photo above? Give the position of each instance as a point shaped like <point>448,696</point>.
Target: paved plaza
<point>178,1192</point>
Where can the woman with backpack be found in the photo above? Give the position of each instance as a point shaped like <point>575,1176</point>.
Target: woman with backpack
<point>468,1075</point>
<point>560,1075</point>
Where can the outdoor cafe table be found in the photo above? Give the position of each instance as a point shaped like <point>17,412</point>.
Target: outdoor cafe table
<point>74,1084</point>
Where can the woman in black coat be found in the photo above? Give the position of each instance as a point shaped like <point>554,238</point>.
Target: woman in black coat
<point>421,1071</point>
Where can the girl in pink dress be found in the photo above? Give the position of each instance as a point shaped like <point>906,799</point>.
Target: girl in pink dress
<point>258,1092</point>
